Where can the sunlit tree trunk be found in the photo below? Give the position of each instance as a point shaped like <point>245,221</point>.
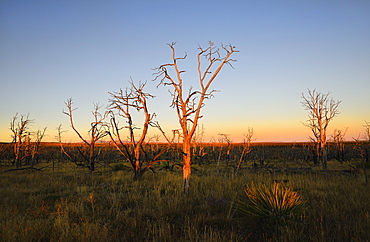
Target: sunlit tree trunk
<point>186,164</point>
<point>188,106</point>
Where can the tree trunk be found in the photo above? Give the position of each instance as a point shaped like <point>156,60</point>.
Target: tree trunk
<point>91,159</point>
<point>138,174</point>
<point>186,169</point>
<point>324,158</point>
<point>316,155</point>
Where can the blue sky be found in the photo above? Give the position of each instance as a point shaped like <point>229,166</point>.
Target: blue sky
<point>54,50</point>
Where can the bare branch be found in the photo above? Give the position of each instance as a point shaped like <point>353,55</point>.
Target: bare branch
<point>188,107</point>
<point>321,112</point>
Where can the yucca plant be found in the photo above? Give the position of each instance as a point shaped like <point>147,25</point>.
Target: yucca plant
<point>272,205</point>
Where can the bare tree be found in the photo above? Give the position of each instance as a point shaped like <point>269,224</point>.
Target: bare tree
<point>26,144</point>
<point>361,147</point>
<point>20,129</point>
<point>366,137</point>
<point>134,151</point>
<point>188,105</point>
<point>367,131</point>
<point>247,147</point>
<point>321,111</point>
<point>198,144</point>
<point>96,133</point>
<point>35,146</point>
<point>224,142</point>
<point>70,155</point>
<point>338,138</point>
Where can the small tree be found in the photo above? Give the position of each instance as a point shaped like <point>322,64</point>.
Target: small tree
<point>247,147</point>
<point>367,131</point>
<point>224,141</point>
<point>362,147</point>
<point>133,150</point>
<point>96,133</point>
<point>198,144</point>
<point>367,140</point>
<point>338,138</point>
<point>321,111</point>
<point>20,129</point>
<point>26,143</point>
<point>188,105</point>
<point>72,156</point>
<point>34,146</point>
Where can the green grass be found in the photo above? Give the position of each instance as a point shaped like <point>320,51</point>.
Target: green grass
<point>69,204</point>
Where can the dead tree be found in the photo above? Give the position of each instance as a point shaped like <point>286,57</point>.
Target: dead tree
<point>361,147</point>
<point>367,140</point>
<point>198,144</point>
<point>188,105</point>
<point>224,141</point>
<point>367,131</point>
<point>33,146</point>
<point>247,147</point>
<point>26,143</point>
<point>20,129</point>
<point>134,150</point>
<point>70,155</point>
<point>97,132</point>
<point>321,111</point>
<point>338,138</point>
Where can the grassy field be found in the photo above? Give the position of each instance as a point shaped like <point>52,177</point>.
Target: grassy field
<point>70,204</point>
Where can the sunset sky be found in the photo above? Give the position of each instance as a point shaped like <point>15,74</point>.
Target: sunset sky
<point>54,50</point>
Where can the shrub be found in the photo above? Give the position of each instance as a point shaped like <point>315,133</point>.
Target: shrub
<point>272,206</point>
<point>118,167</point>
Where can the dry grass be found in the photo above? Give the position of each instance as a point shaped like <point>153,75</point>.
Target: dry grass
<point>69,204</point>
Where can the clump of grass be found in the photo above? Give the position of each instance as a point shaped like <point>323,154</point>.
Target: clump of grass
<point>273,206</point>
<point>118,167</point>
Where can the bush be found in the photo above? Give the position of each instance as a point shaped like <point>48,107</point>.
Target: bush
<point>272,206</point>
<point>118,167</point>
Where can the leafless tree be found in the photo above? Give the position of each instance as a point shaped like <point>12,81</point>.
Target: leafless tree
<point>361,148</point>
<point>70,155</point>
<point>225,147</point>
<point>247,147</point>
<point>366,131</point>
<point>35,146</point>
<point>96,133</point>
<point>366,137</point>
<point>20,128</point>
<point>26,144</point>
<point>134,151</point>
<point>198,141</point>
<point>321,111</point>
<point>188,105</point>
<point>338,138</point>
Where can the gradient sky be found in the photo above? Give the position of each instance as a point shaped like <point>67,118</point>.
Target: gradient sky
<point>54,50</point>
